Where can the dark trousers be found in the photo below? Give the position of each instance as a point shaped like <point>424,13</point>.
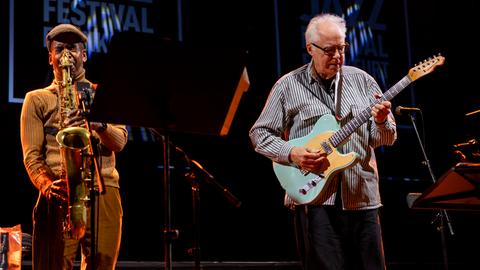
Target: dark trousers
<point>329,238</point>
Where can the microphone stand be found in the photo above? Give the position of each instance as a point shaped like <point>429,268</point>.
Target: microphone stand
<point>169,233</point>
<point>85,99</point>
<point>196,171</point>
<point>442,215</point>
<point>195,250</point>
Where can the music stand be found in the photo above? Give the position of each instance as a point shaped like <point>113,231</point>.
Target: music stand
<point>457,189</point>
<point>171,87</point>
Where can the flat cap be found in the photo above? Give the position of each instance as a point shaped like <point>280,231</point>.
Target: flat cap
<point>65,33</point>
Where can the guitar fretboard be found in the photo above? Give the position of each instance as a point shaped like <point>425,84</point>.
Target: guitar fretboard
<point>356,122</point>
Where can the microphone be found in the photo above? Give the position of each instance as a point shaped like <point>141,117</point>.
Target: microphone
<point>194,162</point>
<point>209,178</point>
<point>400,109</point>
<point>469,143</point>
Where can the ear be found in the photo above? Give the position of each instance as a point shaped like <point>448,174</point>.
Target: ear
<point>309,49</point>
<point>84,55</point>
<point>50,58</point>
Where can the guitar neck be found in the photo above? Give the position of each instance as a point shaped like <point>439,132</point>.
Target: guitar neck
<point>343,133</point>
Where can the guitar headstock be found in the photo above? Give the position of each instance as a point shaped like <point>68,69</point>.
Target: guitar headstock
<point>425,67</point>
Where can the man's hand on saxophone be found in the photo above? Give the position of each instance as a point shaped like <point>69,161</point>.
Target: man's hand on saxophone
<point>77,119</point>
<point>57,192</point>
<point>74,119</point>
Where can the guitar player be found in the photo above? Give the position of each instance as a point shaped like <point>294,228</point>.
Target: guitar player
<point>339,228</point>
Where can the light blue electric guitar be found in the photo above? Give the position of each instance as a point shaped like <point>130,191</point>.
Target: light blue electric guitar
<point>306,187</point>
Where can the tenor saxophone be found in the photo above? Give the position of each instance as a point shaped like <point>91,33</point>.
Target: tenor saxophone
<point>75,154</point>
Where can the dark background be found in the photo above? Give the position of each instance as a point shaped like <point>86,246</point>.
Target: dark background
<point>261,229</point>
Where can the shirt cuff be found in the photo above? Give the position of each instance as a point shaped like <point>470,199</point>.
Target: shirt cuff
<point>284,154</point>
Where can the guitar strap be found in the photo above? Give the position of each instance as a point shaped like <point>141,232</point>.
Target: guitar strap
<point>338,95</point>
<point>335,95</point>
<point>338,116</point>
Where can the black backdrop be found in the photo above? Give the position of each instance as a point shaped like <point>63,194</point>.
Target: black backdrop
<point>261,229</point>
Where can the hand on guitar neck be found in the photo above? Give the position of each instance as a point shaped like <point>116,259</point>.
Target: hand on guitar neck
<point>380,111</point>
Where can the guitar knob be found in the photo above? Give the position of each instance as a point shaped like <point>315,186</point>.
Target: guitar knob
<point>303,191</point>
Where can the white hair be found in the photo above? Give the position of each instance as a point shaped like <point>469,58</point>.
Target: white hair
<point>312,35</point>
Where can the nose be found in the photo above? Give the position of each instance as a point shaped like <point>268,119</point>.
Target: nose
<point>337,53</point>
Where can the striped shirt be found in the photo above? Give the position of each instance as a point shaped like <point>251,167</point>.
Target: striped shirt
<point>298,100</point>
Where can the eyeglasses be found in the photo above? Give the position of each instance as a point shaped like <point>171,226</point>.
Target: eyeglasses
<point>331,50</point>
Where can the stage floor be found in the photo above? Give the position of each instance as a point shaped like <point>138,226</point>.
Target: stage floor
<point>267,265</point>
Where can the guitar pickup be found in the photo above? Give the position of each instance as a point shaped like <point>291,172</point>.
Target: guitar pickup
<point>311,184</point>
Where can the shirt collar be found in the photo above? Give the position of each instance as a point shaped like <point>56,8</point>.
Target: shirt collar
<point>311,73</point>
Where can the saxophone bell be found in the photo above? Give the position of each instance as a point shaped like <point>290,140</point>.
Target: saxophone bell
<point>74,150</point>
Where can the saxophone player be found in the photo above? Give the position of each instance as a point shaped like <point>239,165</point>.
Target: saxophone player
<point>45,113</point>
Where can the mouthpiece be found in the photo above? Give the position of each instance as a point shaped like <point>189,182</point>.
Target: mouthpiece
<point>65,59</point>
